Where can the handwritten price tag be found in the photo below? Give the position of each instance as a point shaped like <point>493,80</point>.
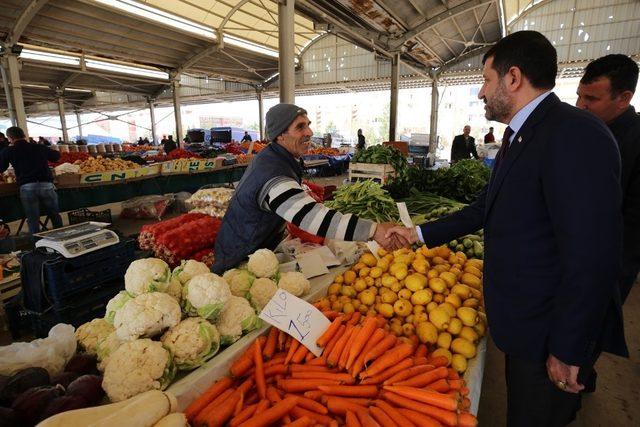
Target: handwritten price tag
<point>296,317</point>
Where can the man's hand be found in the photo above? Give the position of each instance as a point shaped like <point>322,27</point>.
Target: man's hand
<point>563,376</point>
<point>387,240</point>
<point>407,236</point>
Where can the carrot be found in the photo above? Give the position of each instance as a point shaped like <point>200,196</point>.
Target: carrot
<point>272,414</point>
<point>274,397</point>
<point>244,415</point>
<point>263,405</point>
<point>439,361</point>
<point>334,423</point>
<point>389,358</point>
<point>298,412</point>
<point>314,394</point>
<point>408,373</point>
<point>342,377</point>
<point>344,356</point>
<point>453,374</point>
<point>310,404</point>
<point>295,385</point>
<point>455,384</point>
<point>355,318</point>
<point>251,398</point>
<point>340,406</point>
<point>275,360</point>
<point>467,420</point>
<point>441,386</point>
<point>261,384</point>
<point>419,418</point>
<point>318,361</point>
<point>365,402</point>
<point>309,357</point>
<point>331,344</point>
<point>421,361</point>
<point>329,333</point>
<point>202,415</point>
<point>426,378</point>
<point>381,417</point>
<point>366,420</point>
<point>377,379</point>
<point>211,393</point>
<point>388,342</point>
<point>352,420</point>
<point>394,414</point>
<point>287,343</point>
<point>292,350</point>
<point>300,422</point>
<point>448,418</point>
<point>282,338</point>
<point>241,366</point>
<point>421,351</point>
<point>334,356</point>
<point>310,368</point>
<point>223,412</point>
<point>466,404</point>
<point>360,340</point>
<point>239,405</point>
<point>300,354</point>
<point>331,315</point>
<point>358,365</point>
<point>270,344</point>
<point>425,396</point>
<point>464,391</point>
<point>350,390</point>
<point>275,370</point>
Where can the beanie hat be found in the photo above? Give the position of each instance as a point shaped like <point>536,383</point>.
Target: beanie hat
<point>279,117</point>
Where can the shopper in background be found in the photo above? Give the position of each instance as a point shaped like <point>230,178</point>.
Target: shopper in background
<point>552,233</point>
<point>489,138</point>
<point>43,141</point>
<point>246,137</point>
<point>169,145</point>
<point>4,142</point>
<point>606,90</point>
<point>145,141</point>
<point>31,165</point>
<point>361,141</point>
<point>163,140</point>
<point>270,193</point>
<point>464,146</point>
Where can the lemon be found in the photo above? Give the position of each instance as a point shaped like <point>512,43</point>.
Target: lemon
<point>463,291</point>
<point>440,318</point>
<point>334,289</point>
<point>389,297</point>
<point>431,306</point>
<point>459,363</point>
<point>348,291</point>
<point>471,302</point>
<point>349,277</point>
<point>386,310</point>
<point>454,300</point>
<point>427,333</point>
<point>444,340</point>
<point>348,308</point>
<point>408,330</point>
<point>415,282</point>
<point>463,347</point>
<point>375,272</point>
<point>419,318</point>
<point>421,297</point>
<point>437,285</point>
<point>451,311</point>
<point>367,297</point>
<point>360,285</point>
<point>405,294</point>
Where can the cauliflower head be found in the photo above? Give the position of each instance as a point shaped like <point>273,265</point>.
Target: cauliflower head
<point>175,289</point>
<point>205,295</point>
<point>106,347</point>
<point>241,282</point>
<point>147,315</point>
<point>294,282</point>
<point>263,263</point>
<point>230,274</point>
<point>147,275</point>
<point>188,269</point>
<point>91,333</point>
<point>238,317</point>
<point>115,304</point>
<point>192,342</point>
<point>261,292</point>
<point>138,366</point>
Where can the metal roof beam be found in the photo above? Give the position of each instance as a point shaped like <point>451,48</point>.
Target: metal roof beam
<point>23,20</point>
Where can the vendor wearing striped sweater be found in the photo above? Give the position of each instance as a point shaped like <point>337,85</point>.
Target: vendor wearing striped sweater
<point>270,193</point>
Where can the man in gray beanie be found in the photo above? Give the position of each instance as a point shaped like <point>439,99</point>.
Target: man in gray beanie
<point>270,194</point>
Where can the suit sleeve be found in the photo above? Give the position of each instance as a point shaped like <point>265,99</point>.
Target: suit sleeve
<point>583,201</point>
<point>453,144</point>
<point>465,221</point>
<point>473,150</point>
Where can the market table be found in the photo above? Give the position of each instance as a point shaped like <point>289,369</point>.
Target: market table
<point>71,198</point>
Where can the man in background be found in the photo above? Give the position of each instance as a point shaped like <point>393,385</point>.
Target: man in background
<point>246,137</point>
<point>489,138</point>
<point>606,90</point>
<point>169,145</point>
<point>463,146</point>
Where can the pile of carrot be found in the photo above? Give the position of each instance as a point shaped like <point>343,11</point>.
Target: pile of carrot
<point>365,377</point>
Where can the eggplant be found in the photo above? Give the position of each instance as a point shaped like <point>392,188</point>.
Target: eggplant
<point>31,404</point>
<point>82,364</point>
<point>22,381</point>
<point>8,417</point>
<point>63,404</point>
<point>64,378</point>
<point>89,387</point>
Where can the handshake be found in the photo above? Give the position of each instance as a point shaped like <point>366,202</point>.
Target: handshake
<point>393,236</point>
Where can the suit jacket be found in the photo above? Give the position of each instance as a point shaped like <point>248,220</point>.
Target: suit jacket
<point>461,149</point>
<point>552,230</point>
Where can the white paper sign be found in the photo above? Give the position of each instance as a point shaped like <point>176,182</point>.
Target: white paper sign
<point>404,215</point>
<point>296,317</point>
<point>312,265</point>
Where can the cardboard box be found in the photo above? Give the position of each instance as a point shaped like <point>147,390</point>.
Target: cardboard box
<point>68,180</point>
<point>110,176</point>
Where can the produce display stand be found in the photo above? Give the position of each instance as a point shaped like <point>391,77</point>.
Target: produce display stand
<point>379,173</point>
<point>9,286</point>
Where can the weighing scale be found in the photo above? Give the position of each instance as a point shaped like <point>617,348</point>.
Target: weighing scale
<point>79,239</point>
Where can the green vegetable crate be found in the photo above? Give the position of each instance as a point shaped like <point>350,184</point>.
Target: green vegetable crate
<point>380,173</point>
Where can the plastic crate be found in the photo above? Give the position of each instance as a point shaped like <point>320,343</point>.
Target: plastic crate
<point>64,278</point>
<point>83,215</point>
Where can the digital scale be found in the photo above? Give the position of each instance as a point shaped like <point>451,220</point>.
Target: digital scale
<point>79,239</point>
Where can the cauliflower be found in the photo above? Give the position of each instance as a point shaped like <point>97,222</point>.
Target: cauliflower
<point>238,317</point>
<point>230,274</point>
<point>147,315</point>
<point>261,292</point>
<point>188,269</point>
<point>263,263</point>
<point>240,283</point>
<point>147,275</point>
<point>175,289</point>
<point>138,366</point>
<point>192,342</point>
<point>91,333</point>
<point>205,295</point>
<point>115,304</point>
<point>106,347</point>
<point>294,282</point>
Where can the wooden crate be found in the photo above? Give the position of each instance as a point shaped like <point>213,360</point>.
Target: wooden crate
<point>9,286</point>
<point>376,172</point>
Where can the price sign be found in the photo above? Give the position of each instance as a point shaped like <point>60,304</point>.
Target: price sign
<point>296,317</point>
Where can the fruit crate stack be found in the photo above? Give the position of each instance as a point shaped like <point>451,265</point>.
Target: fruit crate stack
<point>380,173</point>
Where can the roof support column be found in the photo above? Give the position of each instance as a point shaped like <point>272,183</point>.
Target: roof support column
<point>175,88</point>
<point>13,91</point>
<point>80,136</point>
<point>260,113</point>
<point>433,123</point>
<point>63,120</point>
<point>286,64</point>
<point>393,109</point>
<point>152,115</point>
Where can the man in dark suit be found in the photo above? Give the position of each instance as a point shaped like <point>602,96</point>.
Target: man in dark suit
<point>463,146</point>
<point>606,90</point>
<point>553,234</point>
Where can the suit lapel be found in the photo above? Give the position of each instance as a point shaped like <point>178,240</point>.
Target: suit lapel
<point>520,140</point>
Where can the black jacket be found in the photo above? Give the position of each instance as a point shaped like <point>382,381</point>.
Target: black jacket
<point>553,235</point>
<point>461,149</point>
<point>30,161</point>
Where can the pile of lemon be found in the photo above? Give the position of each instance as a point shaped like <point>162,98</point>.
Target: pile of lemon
<point>432,294</point>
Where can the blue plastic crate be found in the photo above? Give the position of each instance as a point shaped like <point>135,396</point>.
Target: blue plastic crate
<point>64,278</point>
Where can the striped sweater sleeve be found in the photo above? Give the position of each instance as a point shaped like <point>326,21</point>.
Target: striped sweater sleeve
<point>287,199</point>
